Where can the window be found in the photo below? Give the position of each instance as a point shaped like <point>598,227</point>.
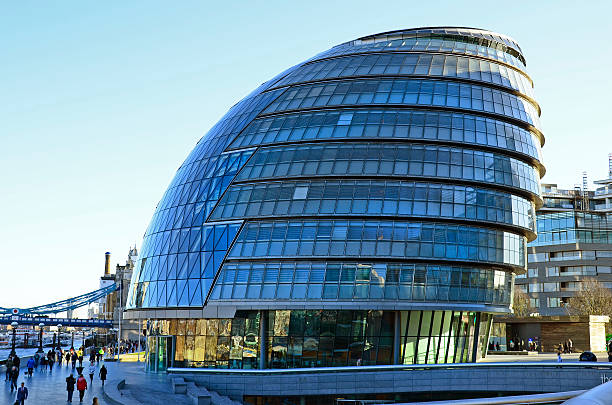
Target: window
<point>532,272</point>
<point>554,302</point>
<point>551,287</point>
<point>300,193</point>
<point>552,271</point>
<point>534,302</point>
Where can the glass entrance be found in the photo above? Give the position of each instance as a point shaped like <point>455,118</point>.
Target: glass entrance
<point>160,353</point>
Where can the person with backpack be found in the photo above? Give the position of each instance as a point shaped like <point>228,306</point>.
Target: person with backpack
<point>81,386</point>
<point>102,373</point>
<point>70,382</point>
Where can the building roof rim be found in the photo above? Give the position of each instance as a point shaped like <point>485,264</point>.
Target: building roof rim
<point>441,27</point>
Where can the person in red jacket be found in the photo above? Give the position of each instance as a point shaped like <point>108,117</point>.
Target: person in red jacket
<point>81,386</point>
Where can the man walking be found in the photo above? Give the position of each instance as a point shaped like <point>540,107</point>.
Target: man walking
<point>14,376</point>
<point>30,366</point>
<point>51,359</point>
<point>22,394</point>
<point>70,381</point>
<point>9,367</point>
<point>73,357</point>
<point>81,387</point>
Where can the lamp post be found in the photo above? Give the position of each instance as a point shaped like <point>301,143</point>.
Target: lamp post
<point>40,338</point>
<point>59,336</point>
<point>72,342</point>
<point>14,325</point>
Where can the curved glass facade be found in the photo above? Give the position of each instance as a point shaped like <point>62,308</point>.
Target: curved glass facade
<point>367,206</point>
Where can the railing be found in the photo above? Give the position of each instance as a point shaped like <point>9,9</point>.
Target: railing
<point>541,399</point>
<point>410,367</point>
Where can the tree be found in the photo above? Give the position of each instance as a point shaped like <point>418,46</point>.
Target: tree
<point>521,303</point>
<point>591,299</point>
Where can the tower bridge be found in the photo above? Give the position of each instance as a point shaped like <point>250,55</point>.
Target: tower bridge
<point>37,314</point>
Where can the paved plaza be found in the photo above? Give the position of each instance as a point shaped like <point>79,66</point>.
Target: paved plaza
<point>50,388</point>
<point>147,388</point>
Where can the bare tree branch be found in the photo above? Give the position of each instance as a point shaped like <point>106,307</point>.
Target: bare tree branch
<point>591,299</point>
<point>521,304</point>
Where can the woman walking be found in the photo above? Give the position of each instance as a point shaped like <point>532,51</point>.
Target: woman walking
<point>103,372</point>
<point>92,371</point>
<point>81,386</point>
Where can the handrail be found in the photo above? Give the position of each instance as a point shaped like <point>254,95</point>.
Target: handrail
<point>409,367</point>
<point>547,398</point>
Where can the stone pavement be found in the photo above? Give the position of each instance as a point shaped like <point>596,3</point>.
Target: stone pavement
<point>50,388</point>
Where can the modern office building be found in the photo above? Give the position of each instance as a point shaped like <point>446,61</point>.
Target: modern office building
<point>574,243</point>
<point>370,206</point>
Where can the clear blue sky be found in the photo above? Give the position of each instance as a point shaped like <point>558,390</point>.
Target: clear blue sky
<point>100,102</point>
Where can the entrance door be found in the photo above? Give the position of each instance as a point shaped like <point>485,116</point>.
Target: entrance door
<point>160,354</point>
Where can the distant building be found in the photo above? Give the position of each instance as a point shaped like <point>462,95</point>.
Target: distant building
<point>574,243</point>
<point>105,304</point>
<point>112,306</point>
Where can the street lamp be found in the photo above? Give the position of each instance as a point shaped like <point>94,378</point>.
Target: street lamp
<point>40,338</point>
<point>59,336</point>
<point>14,325</point>
<point>72,342</point>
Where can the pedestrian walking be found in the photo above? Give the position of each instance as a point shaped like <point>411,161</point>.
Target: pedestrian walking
<point>9,367</point>
<point>70,382</point>
<point>22,394</point>
<point>95,401</point>
<point>81,386</point>
<point>73,358</point>
<point>30,366</point>
<point>43,363</point>
<point>103,372</point>
<point>14,377</point>
<point>92,371</point>
<point>36,360</point>
<point>559,359</point>
<point>67,357</point>
<point>51,359</point>
<point>16,361</point>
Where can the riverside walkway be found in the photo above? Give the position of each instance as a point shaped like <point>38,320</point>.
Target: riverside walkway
<point>50,388</point>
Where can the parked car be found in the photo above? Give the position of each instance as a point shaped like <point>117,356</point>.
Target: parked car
<point>587,356</point>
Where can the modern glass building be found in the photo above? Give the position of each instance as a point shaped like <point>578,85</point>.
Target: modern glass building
<point>574,244</point>
<point>370,205</point>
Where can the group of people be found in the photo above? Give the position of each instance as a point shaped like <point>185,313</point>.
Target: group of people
<point>566,347</point>
<point>520,345</point>
<point>46,362</point>
<point>124,346</point>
